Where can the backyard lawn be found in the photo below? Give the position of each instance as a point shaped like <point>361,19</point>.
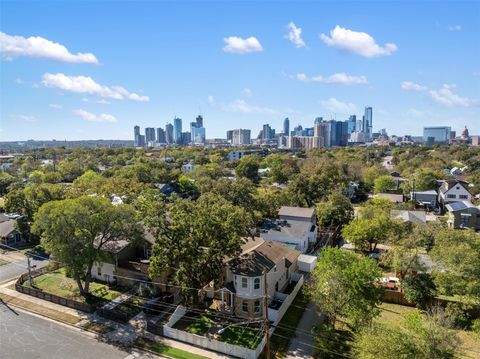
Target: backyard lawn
<point>247,337</point>
<point>199,326</point>
<point>58,283</point>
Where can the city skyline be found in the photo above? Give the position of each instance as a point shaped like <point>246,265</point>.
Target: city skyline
<point>63,80</point>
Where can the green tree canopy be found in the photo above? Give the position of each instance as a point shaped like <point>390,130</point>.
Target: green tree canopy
<point>76,230</point>
<point>248,167</point>
<point>345,285</point>
<point>336,211</point>
<point>384,184</point>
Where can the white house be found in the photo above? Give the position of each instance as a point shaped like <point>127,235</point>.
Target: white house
<point>453,191</point>
<point>243,289</point>
<point>293,233</point>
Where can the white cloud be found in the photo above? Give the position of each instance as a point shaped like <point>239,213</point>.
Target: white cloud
<point>91,117</point>
<point>412,86</point>
<point>445,96</point>
<point>36,46</point>
<point>19,81</point>
<point>237,45</point>
<point>211,100</point>
<point>247,92</point>
<point>242,106</point>
<point>55,106</point>
<point>338,78</point>
<point>25,118</point>
<point>295,35</point>
<point>86,85</point>
<point>455,27</point>
<point>104,102</point>
<point>336,106</point>
<point>359,43</point>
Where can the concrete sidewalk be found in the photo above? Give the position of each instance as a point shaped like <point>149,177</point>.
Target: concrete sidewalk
<point>121,333</point>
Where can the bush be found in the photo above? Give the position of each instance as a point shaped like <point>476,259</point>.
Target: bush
<point>476,327</point>
<point>458,312</point>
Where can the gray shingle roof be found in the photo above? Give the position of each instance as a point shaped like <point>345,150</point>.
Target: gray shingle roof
<point>296,212</point>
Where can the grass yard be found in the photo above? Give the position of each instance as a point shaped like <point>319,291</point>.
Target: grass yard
<point>243,336</point>
<point>131,307</point>
<point>38,309</point>
<point>58,283</point>
<point>200,327</point>
<point>292,317</point>
<point>165,350</point>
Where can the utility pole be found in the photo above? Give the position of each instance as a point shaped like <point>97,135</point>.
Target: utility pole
<point>267,323</point>
<point>30,279</point>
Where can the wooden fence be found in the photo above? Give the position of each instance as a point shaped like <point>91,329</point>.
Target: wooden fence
<point>85,307</point>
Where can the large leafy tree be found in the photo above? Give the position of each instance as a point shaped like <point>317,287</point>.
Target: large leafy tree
<point>336,211</point>
<point>192,239</point>
<point>248,167</point>
<point>424,337</point>
<point>384,183</point>
<point>345,285</point>
<point>76,230</point>
<point>456,263</point>
<point>419,289</point>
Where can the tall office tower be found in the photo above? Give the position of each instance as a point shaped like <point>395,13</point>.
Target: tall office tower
<point>436,135</point>
<point>267,132</point>
<point>286,127</point>
<point>298,130</point>
<point>325,133</point>
<point>230,135</point>
<point>169,139</point>
<point>149,134</point>
<point>199,121</point>
<point>136,134</point>
<point>367,119</point>
<point>318,120</point>
<point>193,126</point>
<point>185,138</point>
<point>198,135</point>
<point>341,133</point>
<point>352,124</point>
<point>161,135</point>
<point>140,141</point>
<point>241,137</point>
<point>177,130</point>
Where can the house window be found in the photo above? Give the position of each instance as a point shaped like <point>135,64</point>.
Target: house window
<point>256,283</point>
<point>99,271</point>
<point>245,306</point>
<point>148,253</point>
<point>463,196</point>
<point>275,268</point>
<point>451,196</point>
<point>244,282</point>
<point>256,306</point>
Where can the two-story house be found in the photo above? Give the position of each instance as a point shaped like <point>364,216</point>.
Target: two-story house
<point>296,227</point>
<point>453,190</point>
<point>243,283</point>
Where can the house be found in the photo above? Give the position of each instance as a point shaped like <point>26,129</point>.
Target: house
<point>243,283</point>
<point>9,234</point>
<point>298,214</point>
<point>463,215</point>
<point>453,190</point>
<point>418,218</point>
<point>188,167</point>
<point>296,227</point>
<point>126,263</point>
<point>425,198</point>
<point>292,233</point>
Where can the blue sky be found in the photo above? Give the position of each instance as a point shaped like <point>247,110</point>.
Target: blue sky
<point>90,70</point>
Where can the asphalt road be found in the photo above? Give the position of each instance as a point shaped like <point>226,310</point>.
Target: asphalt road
<point>15,269</point>
<point>25,336</point>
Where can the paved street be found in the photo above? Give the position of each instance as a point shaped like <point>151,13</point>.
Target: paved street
<point>26,336</point>
<point>15,269</point>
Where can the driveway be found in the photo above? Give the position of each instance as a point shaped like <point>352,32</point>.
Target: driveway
<point>302,345</point>
<point>24,335</point>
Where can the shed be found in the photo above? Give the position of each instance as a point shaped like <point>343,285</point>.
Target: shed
<point>306,263</point>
